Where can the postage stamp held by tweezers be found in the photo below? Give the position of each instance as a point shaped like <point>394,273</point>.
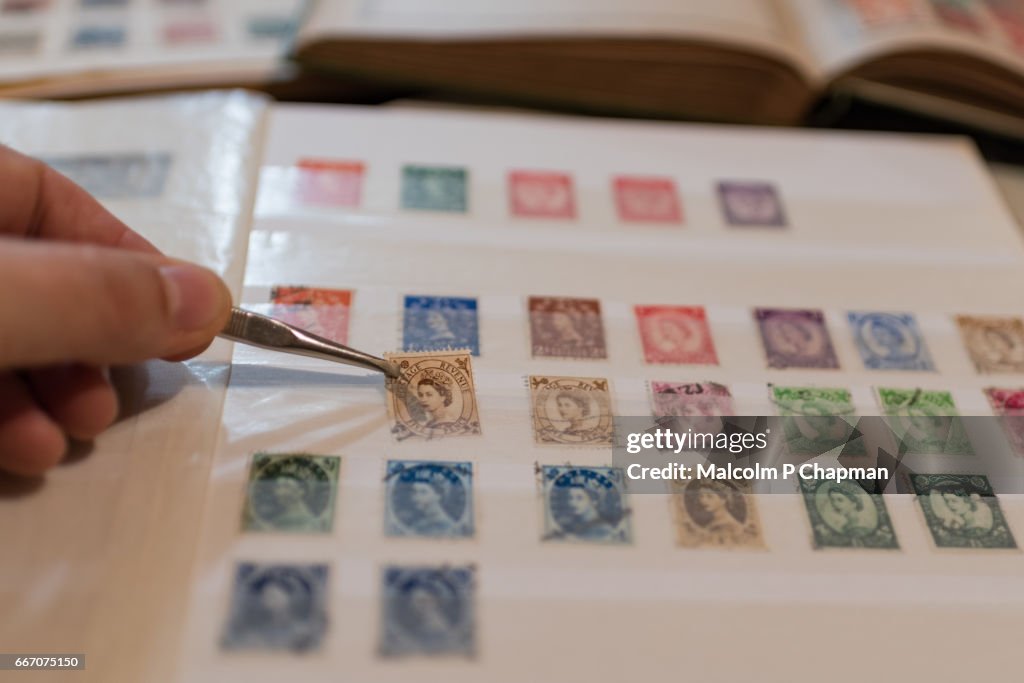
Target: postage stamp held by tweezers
<point>433,397</point>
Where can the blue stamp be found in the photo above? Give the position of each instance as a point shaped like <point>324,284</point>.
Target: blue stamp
<point>434,188</point>
<point>428,611</point>
<point>277,607</point>
<point>585,504</point>
<point>429,499</point>
<point>440,323</point>
<point>890,341</point>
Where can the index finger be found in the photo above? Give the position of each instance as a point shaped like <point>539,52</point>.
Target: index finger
<point>37,201</point>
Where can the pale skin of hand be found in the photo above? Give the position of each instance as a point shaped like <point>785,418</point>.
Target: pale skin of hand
<point>79,292</point>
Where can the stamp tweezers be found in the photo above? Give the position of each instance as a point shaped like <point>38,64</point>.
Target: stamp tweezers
<point>267,333</point>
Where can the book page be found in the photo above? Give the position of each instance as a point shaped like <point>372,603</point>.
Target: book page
<point>401,231</point>
<point>756,24</point>
<point>99,551</point>
<point>844,33</point>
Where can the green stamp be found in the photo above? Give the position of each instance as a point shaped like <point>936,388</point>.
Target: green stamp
<point>844,515</point>
<point>817,420</point>
<point>291,492</point>
<point>926,422</point>
<point>962,511</point>
<point>434,188</point>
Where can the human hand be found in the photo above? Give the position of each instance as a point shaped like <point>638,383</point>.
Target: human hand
<point>80,291</point>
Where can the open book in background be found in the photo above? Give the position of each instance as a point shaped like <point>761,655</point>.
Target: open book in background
<point>749,61</point>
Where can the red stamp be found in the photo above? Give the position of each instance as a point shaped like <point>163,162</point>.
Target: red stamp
<point>541,194</point>
<point>325,182</point>
<point>566,328</point>
<point>190,32</point>
<point>647,200</point>
<point>324,312</point>
<point>1009,404</point>
<point>676,334</point>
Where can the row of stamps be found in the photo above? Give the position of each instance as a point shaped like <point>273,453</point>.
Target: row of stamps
<point>430,610</point>
<point>993,20</point>
<point>535,194</point>
<point>295,493</point>
<point>434,397</point>
<point>568,327</point>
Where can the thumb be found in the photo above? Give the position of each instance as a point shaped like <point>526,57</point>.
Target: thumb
<point>102,306</point>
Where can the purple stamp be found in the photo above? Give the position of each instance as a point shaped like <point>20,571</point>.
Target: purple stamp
<point>751,203</point>
<point>795,338</point>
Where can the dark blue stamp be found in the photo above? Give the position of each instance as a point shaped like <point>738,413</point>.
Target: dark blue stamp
<point>429,499</point>
<point>428,611</point>
<point>277,607</point>
<point>434,188</point>
<point>890,341</point>
<point>440,323</point>
<point>585,504</point>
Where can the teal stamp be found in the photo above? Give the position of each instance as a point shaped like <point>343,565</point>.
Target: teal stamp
<point>962,511</point>
<point>925,422</point>
<point>291,493</point>
<point>429,499</point>
<point>435,188</point>
<point>818,420</point>
<point>585,504</point>
<point>890,341</point>
<point>844,515</point>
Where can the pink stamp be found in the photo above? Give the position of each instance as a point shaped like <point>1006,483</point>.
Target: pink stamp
<point>885,12</point>
<point>541,194</point>
<point>675,334</point>
<point>326,182</point>
<point>324,312</point>
<point>1009,404</point>
<point>647,200</point>
<point>190,32</point>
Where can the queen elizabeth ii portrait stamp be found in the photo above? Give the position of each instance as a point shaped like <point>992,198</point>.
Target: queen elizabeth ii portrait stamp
<point>585,504</point>
<point>429,499</point>
<point>566,328</point>
<point>277,607</point>
<point>691,399</point>
<point>1009,405</point>
<point>541,194</point>
<point>962,511</point>
<point>995,344</point>
<point>433,397</point>
<point>890,341</point>
<point>647,200</point>
<point>435,188</point>
<point>571,411</point>
<point>795,338</point>
<point>926,422</point>
<point>428,611</point>
<point>323,312</point>
<point>440,323</point>
<point>716,513</point>
<point>844,515</point>
<point>817,420</point>
<point>751,203</point>
<point>291,492</point>
<point>675,334</point>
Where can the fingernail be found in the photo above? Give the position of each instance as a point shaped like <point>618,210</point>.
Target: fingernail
<point>194,296</point>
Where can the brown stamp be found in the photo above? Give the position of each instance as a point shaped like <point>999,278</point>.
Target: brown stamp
<point>995,344</point>
<point>716,513</point>
<point>433,397</point>
<point>571,410</point>
<point>566,328</point>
